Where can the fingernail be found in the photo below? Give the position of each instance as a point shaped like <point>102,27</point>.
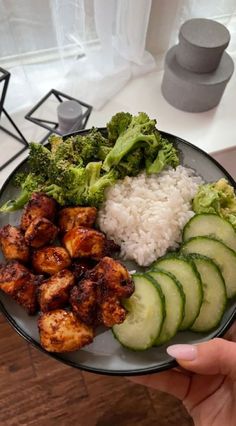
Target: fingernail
<point>184,352</point>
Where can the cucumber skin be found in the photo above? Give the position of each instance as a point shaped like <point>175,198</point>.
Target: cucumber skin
<point>179,285</point>
<point>213,236</point>
<point>208,259</point>
<point>180,288</point>
<point>182,256</point>
<point>214,239</point>
<point>162,297</point>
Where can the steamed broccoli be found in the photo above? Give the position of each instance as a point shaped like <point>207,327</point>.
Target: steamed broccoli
<point>118,124</point>
<point>167,156</point>
<point>96,184</point>
<point>31,183</point>
<point>39,159</point>
<point>92,146</point>
<point>141,132</point>
<point>131,164</point>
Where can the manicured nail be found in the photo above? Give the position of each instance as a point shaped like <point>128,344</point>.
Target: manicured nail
<point>184,352</point>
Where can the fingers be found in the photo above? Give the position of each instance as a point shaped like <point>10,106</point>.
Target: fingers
<point>217,356</point>
<point>172,382</point>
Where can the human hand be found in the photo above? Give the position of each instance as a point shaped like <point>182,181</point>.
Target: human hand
<point>206,383</point>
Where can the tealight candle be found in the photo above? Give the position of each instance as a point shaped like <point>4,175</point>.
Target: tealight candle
<point>69,116</point>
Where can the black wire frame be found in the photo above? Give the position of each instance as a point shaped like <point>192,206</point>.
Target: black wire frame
<point>54,125</point>
<point>5,76</point>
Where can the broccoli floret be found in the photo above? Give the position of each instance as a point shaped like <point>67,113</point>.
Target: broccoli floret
<point>67,152</point>
<point>91,146</point>
<point>54,141</point>
<point>97,184</point>
<point>131,164</point>
<point>32,183</point>
<point>118,124</point>
<point>39,159</point>
<point>140,132</point>
<point>75,183</point>
<point>167,156</point>
<point>56,192</point>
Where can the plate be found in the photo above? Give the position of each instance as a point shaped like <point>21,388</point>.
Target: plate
<point>105,355</point>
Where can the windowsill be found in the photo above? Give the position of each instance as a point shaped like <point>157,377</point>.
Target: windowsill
<point>212,130</point>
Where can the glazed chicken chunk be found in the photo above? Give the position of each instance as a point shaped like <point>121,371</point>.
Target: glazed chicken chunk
<point>13,244</point>
<point>54,292</point>
<point>19,283</point>
<point>111,311</point>
<point>70,217</point>
<point>40,232</point>
<point>115,276</point>
<point>39,205</point>
<point>85,242</point>
<point>62,331</point>
<point>83,300</point>
<point>50,260</point>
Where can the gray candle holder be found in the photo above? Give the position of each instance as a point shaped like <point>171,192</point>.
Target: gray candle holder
<point>197,70</point>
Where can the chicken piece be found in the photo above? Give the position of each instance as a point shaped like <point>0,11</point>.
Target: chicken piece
<point>13,244</point>
<point>54,292</point>
<point>62,331</point>
<point>19,283</point>
<point>40,232</point>
<point>116,277</point>
<point>70,217</point>
<point>85,242</point>
<point>50,260</point>
<point>111,312</point>
<point>83,300</point>
<point>39,205</point>
<point>81,267</point>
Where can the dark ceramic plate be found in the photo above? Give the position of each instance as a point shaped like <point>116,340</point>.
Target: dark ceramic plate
<point>105,355</point>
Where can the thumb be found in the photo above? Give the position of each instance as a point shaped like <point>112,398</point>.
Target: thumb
<point>218,356</point>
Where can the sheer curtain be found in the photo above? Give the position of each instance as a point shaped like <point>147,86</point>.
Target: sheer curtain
<point>86,48</point>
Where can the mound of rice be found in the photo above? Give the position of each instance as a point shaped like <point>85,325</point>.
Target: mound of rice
<point>145,215</point>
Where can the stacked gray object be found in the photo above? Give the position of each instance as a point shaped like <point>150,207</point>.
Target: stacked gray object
<point>198,68</point>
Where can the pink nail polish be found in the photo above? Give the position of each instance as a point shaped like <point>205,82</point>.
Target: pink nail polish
<point>184,352</point>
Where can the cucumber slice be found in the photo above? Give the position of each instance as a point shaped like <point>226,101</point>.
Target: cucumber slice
<point>146,312</point>
<point>174,303</point>
<point>214,294</point>
<point>210,225</point>
<point>186,273</point>
<point>223,256</point>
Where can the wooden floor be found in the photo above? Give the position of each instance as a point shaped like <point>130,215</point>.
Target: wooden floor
<point>37,390</point>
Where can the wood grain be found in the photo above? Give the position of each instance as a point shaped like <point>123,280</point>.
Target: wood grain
<point>37,390</point>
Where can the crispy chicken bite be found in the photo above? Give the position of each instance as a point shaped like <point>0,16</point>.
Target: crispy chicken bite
<point>39,205</point>
<point>115,277</point>
<point>70,217</point>
<point>85,242</point>
<point>62,331</point>
<point>40,232</point>
<point>54,292</point>
<point>19,283</point>
<point>111,312</point>
<point>83,300</point>
<point>13,244</point>
<point>81,267</point>
<point>50,260</point>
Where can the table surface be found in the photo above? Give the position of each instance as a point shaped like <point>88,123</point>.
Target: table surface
<point>212,130</point>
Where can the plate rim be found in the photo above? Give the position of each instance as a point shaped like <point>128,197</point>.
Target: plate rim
<point>135,372</point>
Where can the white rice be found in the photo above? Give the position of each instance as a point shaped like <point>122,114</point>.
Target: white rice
<point>145,215</point>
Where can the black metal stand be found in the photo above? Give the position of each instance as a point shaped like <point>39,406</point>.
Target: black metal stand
<point>5,77</point>
<point>60,97</point>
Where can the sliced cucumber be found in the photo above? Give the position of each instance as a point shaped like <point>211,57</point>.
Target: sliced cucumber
<point>174,303</point>
<point>146,313</point>
<point>214,294</point>
<point>210,225</point>
<point>186,273</point>
<point>223,256</point>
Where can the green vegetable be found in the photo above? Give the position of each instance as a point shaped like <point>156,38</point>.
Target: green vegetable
<point>131,164</point>
<point>39,159</point>
<point>167,156</point>
<point>31,183</point>
<point>217,198</point>
<point>96,184</point>
<point>141,132</point>
<point>118,124</point>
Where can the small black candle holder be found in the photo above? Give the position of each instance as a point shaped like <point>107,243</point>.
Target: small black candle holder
<point>52,125</point>
<point>4,79</point>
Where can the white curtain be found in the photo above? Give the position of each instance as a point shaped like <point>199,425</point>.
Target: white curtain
<point>86,48</point>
